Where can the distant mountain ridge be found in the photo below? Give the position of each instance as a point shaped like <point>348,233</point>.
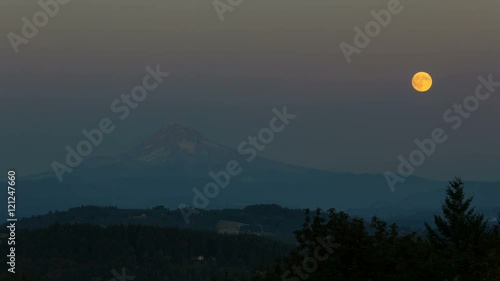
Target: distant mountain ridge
<point>166,166</point>
<point>263,220</point>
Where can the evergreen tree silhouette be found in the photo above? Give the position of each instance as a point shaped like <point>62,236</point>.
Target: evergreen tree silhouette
<point>460,226</point>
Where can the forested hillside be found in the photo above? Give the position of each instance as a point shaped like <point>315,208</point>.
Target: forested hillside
<point>459,244</point>
<point>273,220</point>
<point>83,252</point>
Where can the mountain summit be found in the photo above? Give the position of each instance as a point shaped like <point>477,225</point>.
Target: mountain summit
<point>175,144</point>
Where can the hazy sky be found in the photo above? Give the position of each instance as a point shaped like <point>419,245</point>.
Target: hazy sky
<point>227,76</point>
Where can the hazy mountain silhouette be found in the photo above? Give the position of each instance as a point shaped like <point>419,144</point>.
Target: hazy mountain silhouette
<point>166,166</point>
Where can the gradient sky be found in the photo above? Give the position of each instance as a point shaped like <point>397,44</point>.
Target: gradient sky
<point>227,76</point>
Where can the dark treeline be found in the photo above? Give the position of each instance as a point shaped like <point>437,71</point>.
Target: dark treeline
<point>457,245</point>
<point>274,219</point>
<point>87,252</point>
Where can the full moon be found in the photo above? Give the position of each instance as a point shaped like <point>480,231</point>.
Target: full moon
<point>422,81</point>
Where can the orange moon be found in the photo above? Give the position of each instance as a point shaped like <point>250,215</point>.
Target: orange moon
<point>421,81</point>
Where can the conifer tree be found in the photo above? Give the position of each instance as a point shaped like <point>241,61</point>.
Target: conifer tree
<point>460,226</point>
<point>458,239</point>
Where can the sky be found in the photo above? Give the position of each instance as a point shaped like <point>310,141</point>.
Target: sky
<point>226,76</point>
